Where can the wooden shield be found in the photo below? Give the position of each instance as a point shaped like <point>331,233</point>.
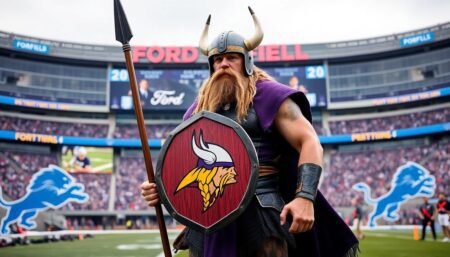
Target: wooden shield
<point>201,195</point>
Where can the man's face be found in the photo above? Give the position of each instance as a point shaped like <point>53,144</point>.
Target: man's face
<point>425,199</point>
<point>441,197</point>
<point>293,82</point>
<point>143,84</point>
<point>233,61</point>
<point>228,78</point>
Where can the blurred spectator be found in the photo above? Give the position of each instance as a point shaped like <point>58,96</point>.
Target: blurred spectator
<point>411,120</point>
<point>53,127</point>
<point>318,128</point>
<point>130,174</point>
<point>97,186</point>
<point>161,131</point>
<point>17,168</point>
<point>158,131</point>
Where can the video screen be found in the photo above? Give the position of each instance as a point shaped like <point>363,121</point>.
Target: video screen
<point>177,89</point>
<point>311,80</point>
<point>158,89</point>
<point>81,159</point>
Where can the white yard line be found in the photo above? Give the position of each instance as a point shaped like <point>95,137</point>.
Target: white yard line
<point>399,237</point>
<point>102,167</point>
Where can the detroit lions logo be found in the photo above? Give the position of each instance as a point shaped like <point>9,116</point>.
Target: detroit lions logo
<point>410,181</point>
<point>214,170</point>
<point>51,187</point>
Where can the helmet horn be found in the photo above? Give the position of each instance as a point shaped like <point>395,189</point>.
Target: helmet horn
<point>203,154</point>
<point>254,41</point>
<point>203,44</point>
<point>202,144</point>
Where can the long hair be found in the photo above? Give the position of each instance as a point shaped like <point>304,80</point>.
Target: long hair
<point>225,85</point>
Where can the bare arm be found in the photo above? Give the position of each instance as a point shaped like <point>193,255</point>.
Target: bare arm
<point>300,134</point>
<point>297,130</point>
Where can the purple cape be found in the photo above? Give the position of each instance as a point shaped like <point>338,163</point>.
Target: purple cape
<point>330,236</point>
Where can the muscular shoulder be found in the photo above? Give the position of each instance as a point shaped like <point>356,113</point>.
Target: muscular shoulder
<point>271,86</point>
<point>269,97</point>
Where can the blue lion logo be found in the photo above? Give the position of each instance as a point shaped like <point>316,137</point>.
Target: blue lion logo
<point>51,187</point>
<point>410,181</point>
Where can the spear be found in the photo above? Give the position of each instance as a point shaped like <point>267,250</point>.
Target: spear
<point>123,35</point>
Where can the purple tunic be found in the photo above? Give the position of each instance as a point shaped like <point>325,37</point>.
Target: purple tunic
<point>269,96</point>
<point>330,236</point>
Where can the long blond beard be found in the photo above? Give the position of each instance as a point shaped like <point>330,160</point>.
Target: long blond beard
<point>225,86</point>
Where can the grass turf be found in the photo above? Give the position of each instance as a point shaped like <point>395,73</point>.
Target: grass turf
<point>376,243</point>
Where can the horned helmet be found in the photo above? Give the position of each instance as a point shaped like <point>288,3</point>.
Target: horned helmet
<point>231,42</point>
<point>211,155</point>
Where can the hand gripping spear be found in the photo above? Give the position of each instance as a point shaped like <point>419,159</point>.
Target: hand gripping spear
<point>123,35</point>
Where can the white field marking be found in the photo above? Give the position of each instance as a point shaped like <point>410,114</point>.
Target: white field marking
<point>155,239</point>
<point>171,237</point>
<point>92,232</point>
<point>146,241</point>
<point>98,159</point>
<point>396,236</point>
<point>162,253</point>
<point>138,246</point>
<point>102,167</point>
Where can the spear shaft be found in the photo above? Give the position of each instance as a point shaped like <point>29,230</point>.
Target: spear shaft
<point>123,35</point>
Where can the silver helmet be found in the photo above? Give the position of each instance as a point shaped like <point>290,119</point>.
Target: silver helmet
<point>231,42</point>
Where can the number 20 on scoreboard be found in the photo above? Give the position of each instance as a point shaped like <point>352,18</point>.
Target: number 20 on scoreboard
<point>316,72</point>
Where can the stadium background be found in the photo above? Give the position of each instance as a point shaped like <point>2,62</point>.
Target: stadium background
<point>377,103</point>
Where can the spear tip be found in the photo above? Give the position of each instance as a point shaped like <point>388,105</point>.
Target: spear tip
<point>123,30</point>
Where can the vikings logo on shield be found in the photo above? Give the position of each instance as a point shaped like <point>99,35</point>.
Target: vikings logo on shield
<point>214,170</point>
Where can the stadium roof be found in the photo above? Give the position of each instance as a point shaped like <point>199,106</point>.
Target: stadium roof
<point>179,23</point>
<point>265,53</point>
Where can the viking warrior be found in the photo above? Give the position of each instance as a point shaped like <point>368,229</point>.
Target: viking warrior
<point>288,216</point>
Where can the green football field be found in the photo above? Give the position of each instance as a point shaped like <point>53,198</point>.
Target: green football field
<point>376,244</point>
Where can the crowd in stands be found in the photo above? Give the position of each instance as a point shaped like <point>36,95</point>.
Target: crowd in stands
<point>373,167</point>
<point>97,186</point>
<point>411,120</point>
<point>159,131</point>
<point>129,176</point>
<point>439,163</point>
<point>17,168</point>
<point>377,167</point>
<point>319,128</point>
<point>53,127</point>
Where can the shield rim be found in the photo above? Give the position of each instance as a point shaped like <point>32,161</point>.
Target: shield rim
<point>251,187</point>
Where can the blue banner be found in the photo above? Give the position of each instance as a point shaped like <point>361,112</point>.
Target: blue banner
<point>29,46</point>
<point>417,39</point>
<point>412,97</point>
<point>157,143</point>
<point>67,140</point>
<point>48,105</point>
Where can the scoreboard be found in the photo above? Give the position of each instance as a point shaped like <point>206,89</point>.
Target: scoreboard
<point>177,89</point>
